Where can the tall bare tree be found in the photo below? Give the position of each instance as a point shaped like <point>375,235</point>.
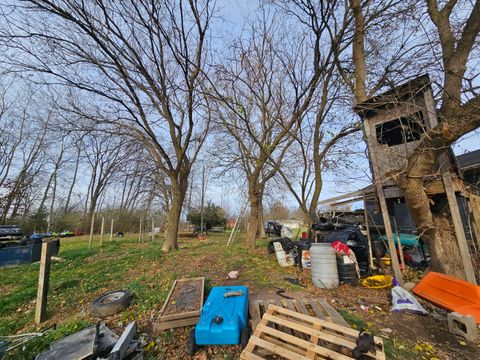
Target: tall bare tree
<point>457,27</point>
<point>142,62</point>
<point>268,87</point>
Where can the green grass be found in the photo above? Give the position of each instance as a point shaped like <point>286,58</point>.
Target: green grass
<point>123,264</point>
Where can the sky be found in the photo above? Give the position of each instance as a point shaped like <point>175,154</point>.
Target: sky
<point>228,195</point>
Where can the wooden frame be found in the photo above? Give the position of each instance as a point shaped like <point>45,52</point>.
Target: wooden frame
<point>324,339</point>
<point>181,319</point>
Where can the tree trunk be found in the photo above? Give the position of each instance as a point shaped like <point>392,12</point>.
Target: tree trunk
<point>261,222</point>
<point>174,212</point>
<point>256,215</point>
<point>435,229</point>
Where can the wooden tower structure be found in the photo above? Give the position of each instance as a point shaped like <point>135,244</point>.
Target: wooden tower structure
<point>394,124</point>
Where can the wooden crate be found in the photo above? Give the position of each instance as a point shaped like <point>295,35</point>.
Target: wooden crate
<point>278,333</point>
<point>180,319</point>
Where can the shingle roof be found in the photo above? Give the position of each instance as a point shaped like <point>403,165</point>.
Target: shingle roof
<point>468,160</point>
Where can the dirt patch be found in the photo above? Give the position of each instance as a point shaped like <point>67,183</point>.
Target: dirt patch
<point>185,297</point>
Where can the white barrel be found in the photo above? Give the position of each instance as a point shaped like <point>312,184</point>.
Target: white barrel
<point>324,266</point>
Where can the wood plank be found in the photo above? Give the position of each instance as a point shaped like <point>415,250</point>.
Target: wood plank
<point>313,340</point>
<point>308,346</point>
<point>475,209</point>
<point>388,230</point>
<point>245,355</point>
<point>459,231</point>
<point>300,306</point>
<point>275,349</point>
<point>43,281</point>
<point>332,313</point>
<point>180,316</point>
<point>175,323</point>
<point>254,310</point>
<point>168,297</point>
<point>290,305</point>
<point>316,309</point>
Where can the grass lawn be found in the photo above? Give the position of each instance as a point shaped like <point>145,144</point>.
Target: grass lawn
<point>141,267</point>
<point>123,264</point>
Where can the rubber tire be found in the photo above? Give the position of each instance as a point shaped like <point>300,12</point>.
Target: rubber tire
<point>102,307</point>
<point>244,337</point>
<point>191,345</point>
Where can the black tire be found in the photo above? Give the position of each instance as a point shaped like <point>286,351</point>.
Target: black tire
<point>111,303</point>
<point>191,345</point>
<point>244,337</point>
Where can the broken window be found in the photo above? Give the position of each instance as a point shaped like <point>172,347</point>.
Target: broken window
<point>400,131</point>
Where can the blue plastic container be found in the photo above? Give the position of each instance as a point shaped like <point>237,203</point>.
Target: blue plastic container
<point>222,318</point>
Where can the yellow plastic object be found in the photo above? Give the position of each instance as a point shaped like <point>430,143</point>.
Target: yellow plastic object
<point>378,281</point>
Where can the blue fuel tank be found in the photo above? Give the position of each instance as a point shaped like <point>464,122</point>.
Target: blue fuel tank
<point>223,318</point>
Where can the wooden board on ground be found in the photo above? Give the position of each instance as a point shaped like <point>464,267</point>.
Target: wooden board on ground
<point>325,339</point>
<point>183,304</point>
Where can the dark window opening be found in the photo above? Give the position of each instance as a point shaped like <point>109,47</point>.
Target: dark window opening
<point>400,131</point>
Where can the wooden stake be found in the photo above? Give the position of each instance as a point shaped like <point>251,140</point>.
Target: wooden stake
<point>90,241</point>
<point>459,231</point>
<point>140,230</point>
<point>388,230</point>
<point>474,204</point>
<point>369,237</point>
<point>399,243</point>
<point>43,279</point>
<point>153,230</point>
<point>101,231</point>
<point>111,230</point>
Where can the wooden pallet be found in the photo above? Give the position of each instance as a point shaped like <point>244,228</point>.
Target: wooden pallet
<point>325,340</point>
<point>318,308</point>
<point>187,318</point>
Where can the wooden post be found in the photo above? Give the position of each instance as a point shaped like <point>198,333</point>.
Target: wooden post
<point>43,278</point>
<point>140,230</point>
<point>369,237</point>
<point>459,231</point>
<point>388,230</point>
<point>399,242</point>
<point>111,230</point>
<point>474,204</point>
<point>101,231</point>
<point>90,240</point>
<point>153,230</point>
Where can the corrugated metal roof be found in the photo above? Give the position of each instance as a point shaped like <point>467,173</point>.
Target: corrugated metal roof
<point>470,159</point>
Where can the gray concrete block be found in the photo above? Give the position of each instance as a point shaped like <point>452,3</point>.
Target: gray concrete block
<point>463,325</point>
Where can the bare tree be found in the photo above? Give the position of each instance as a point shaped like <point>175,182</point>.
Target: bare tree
<point>457,28</point>
<point>267,89</point>
<point>142,62</point>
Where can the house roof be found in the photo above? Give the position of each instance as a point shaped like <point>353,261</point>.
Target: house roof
<point>402,93</point>
<point>469,160</point>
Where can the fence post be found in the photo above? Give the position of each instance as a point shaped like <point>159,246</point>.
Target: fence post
<point>90,241</point>
<point>111,230</point>
<point>153,230</point>
<point>43,279</point>
<point>101,231</point>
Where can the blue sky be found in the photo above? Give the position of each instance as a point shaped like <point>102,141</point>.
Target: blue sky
<point>233,13</point>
